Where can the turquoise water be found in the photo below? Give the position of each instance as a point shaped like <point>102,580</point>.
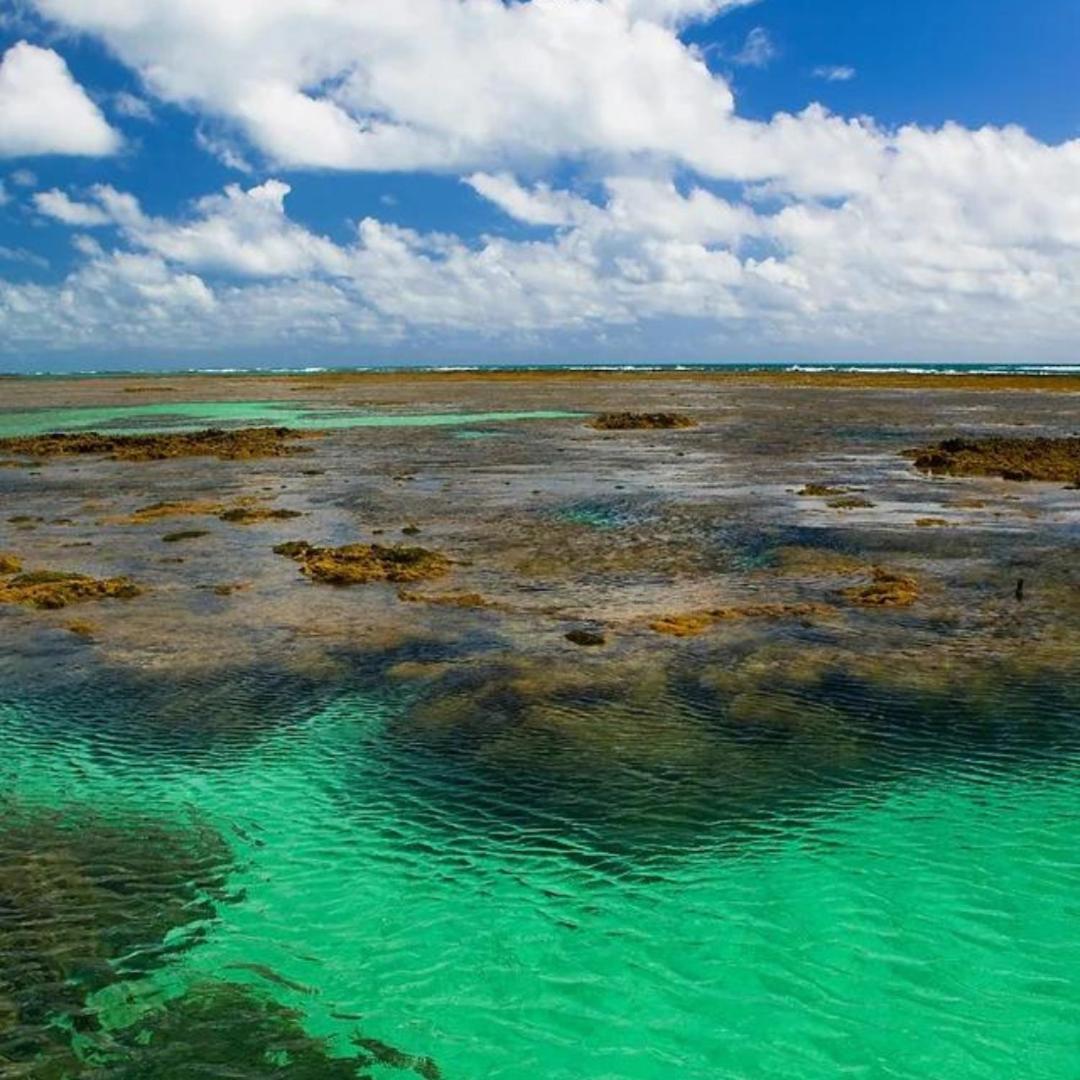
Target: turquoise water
<point>193,415</point>
<point>918,920</point>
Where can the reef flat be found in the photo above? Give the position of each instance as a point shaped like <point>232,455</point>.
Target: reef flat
<point>499,717</point>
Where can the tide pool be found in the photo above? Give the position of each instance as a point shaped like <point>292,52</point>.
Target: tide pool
<point>195,415</point>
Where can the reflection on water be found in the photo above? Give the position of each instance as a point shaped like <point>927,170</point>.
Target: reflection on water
<point>508,872</point>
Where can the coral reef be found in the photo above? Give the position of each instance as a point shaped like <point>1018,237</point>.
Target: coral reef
<point>360,564</point>
<point>232,444</point>
<point>629,421</point>
<point>52,589</point>
<point>1010,458</point>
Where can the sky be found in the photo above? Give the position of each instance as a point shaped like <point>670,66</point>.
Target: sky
<point>221,183</point>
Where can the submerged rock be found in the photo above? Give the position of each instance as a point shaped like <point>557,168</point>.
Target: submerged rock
<point>1038,458</point>
<point>361,564</point>
<point>184,534</point>
<point>226,1029</point>
<point>628,421</point>
<point>232,444</point>
<point>87,901</point>
<point>820,491</point>
<point>849,502</point>
<point>587,638</point>
<point>52,589</point>
<point>461,600</point>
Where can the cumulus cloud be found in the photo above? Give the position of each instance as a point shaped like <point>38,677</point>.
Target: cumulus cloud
<point>956,248</point>
<point>809,231</point>
<point>43,110</point>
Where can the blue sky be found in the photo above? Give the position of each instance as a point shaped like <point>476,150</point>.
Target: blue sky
<point>586,180</point>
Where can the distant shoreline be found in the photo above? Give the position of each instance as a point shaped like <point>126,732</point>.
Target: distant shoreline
<point>1054,378</point>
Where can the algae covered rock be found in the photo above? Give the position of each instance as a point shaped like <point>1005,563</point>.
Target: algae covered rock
<point>249,515</point>
<point>361,564</point>
<point>9,564</point>
<point>227,444</point>
<point>629,421</point>
<point>885,589</point>
<point>1010,458</point>
<point>692,623</point>
<point>53,589</point>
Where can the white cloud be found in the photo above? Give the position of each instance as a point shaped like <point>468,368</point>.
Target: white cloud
<point>835,73</point>
<point>237,232</point>
<point>757,51</point>
<point>131,106</point>
<point>23,178</point>
<point>224,150</point>
<point>809,232</point>
<point>43,110</point>
<point>21,255</point>
<point>60,206</point>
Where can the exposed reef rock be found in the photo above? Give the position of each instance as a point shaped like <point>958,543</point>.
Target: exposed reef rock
<point>238,443</point>
<point>820,491</point>
<point>1010,458</point>
<point>9,564</point>
<point>885,589</point>
<point>360,564</point>
<point>586,638</point>
<point>628,421</point>
<point>690,624</point>
<point>52,589</point>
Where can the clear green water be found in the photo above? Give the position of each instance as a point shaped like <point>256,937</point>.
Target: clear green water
<point>921,923</point>
<point>191,416</point>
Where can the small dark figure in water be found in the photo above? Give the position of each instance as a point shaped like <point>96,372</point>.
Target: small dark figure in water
<point>1020,589</point>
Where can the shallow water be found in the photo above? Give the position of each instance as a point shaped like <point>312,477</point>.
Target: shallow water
<point>915,917</point>
<point>194,415</point>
